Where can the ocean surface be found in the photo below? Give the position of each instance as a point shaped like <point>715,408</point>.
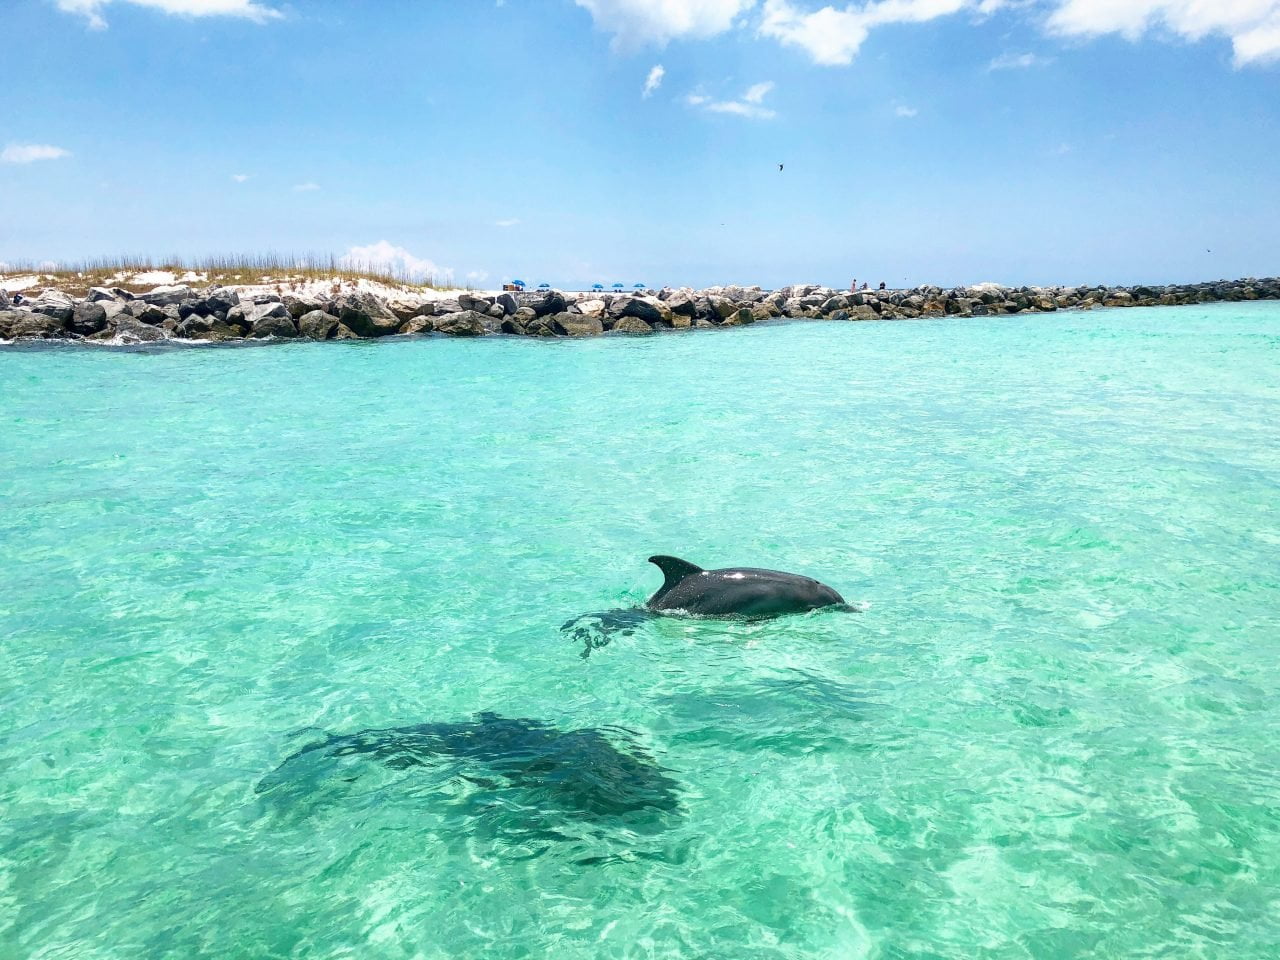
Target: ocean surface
<point>1053,733</point>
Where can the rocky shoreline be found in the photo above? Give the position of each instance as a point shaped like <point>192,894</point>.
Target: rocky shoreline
<point>183,313</point>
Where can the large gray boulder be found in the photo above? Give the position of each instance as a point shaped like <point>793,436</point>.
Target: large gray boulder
<point>300,306</point>
<point>631,325</point>
<point>406,308</point>
<point>722,308</point>
<point>87,318</point>
<point>170,295</point>
<point>541,327</point>
<point>146,312</point>
<point>317,325</point>
<point>546,303</point>
<point>649,309</point>
<point>187,308</point>
<point>475,301</point>
<point>131,330</point>
<point>105,294</point>
<point>417,325</point>
<point>367,315</point>
<point>272,320</point>
<point>53,303</point>
<point>7,319</point>
<point>192,326</point>
<point>578,325</point>
<point>508,304</point>
<point>682,302</point>
<point>238,316</point>
<point>464,323</point>
<point>219,301</point>
<point>518,322</point>
<point>794,307</point>
<point>26,325</point>
<point>113,308</point>
<point>197,327</point>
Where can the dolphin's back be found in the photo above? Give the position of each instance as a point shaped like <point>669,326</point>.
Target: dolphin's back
<point>740,592</point>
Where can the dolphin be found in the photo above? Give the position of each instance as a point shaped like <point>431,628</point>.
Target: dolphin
<point>742,593</point>
<point>579,771</point>
<point>745,592</point>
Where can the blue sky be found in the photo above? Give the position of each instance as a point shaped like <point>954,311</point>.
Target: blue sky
<point>943,141</point>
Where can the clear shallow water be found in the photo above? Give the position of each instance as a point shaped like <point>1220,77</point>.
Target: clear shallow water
<point>1054,734</point>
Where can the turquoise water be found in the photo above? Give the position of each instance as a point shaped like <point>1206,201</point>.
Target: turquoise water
<point>1055,732</point>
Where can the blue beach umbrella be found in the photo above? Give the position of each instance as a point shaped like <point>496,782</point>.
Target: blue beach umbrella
<point>597,286</point>
<point>618,286</point>
<point>544,286</point>
<point>517,283</point>
<point>641,286</point>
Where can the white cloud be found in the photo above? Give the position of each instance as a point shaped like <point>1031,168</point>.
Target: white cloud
<point>906,111</point>
<point>386,256</point>
<point>477,276</point>
<point>750,104</point>
<point>1018,61</point>
<point>833,37</point>
<point>507,223</point>
<point>92,10</point>
<point>833,33</point>
<point>240,177</point>
<point>31,152</point>
<point>306,188</point>
<point>1252,25</point>
<point>637,22</point>
<point>654,80</point>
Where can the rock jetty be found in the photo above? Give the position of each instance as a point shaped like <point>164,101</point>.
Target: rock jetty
<point>181,312</point>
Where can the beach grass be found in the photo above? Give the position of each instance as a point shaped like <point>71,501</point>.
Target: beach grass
<point>136,273</point>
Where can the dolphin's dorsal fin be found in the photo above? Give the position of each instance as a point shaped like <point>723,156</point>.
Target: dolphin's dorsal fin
<point>674,569</point>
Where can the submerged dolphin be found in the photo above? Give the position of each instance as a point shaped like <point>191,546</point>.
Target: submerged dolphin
<point>746,593</point>
<point>580,771</point>
<point>737,591</point>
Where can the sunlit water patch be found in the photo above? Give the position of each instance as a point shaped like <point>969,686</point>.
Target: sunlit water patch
<point>285,674</point>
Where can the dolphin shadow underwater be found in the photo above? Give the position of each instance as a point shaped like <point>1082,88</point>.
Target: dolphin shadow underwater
<point>577,772</point>
<point>733,593</point>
